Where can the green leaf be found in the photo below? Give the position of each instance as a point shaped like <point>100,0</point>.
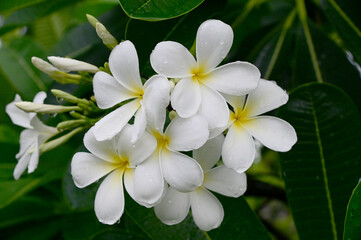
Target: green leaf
<point>16,67</point>
<point>347,24</point>
<point>7,6</point>
<point>239,220</point>
<point>156,10</point>
<point>324,165</point>
<point>353,215</point>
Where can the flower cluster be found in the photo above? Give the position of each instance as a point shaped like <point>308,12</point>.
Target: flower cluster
<point>172,163</point>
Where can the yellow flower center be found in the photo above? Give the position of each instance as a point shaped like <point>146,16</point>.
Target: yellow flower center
<point>198,74</point>
<point>162,140</point>
<point>238,116</point>
<point>121,162</point>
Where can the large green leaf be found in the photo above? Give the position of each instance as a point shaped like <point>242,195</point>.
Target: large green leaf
<point>155,10</point>
<point>353,215</point>
<point>16,4</point>
<point>347,20</point>
<point>323,167</point>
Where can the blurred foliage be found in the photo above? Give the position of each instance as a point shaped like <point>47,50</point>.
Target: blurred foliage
<point>312,48</point>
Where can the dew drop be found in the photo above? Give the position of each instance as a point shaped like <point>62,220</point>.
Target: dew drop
<point>169,201</point>
<point>221,43</point>
<point>165,62</point>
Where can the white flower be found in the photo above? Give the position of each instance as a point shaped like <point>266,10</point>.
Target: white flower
<point>239,148</point>
<point>201,81</point>
<point>32,137</point>
<point>125,84</point>
<point>68,65</point>
<point>207,211</point>
<point>115,158</point>
<point>180,171</point>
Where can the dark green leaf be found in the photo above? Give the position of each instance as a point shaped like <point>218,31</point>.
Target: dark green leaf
<point>346,18</point>
<point>353,215</point>
<point>16,4</point>
<point>239,220</point>
<point>155,10</point>
<point>323,167</point>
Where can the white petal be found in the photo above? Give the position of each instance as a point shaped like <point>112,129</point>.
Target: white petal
<point>135,152</point>
<point>129,182</point>
<point>105,150</point>
<point>180,171</point>
<point>41,128</point>
<point>87,168</point>
<point>266,97</point>
<point>237,78</point>
<point>27,140</point>
<point>213,108</point>
<point>34,159</point>
<point>173,208</point>
<point>113,123</point>
<point>17,116</point>
<point>108,91</point>
<point>148,181</point>
<point>238,150</point>
<point>274,133</point>
<point>209,154</point>
<point>155,100</point>
<point>21,165</point>
<point>109,200</point>
<point>68,64</point>
<point>39,97</point>
<point>124,66</point>
<point>186,97</point>
<point>140,123</point>
<point>214,40</point>
<point>237,102</point>
<point>207,211</point>
<point>225,181</point>
<point>187,134</point>
<point>172,59</point>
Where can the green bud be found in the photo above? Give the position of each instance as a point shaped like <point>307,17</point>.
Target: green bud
<point>71,124</point>
<point>45,108</point>
<point>105,36</point>
<point>92,20</point>
<point>58,141</point>
<point>172,115</point>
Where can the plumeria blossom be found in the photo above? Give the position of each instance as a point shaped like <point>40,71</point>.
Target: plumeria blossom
<point>167,163</point>
<point>239,148</point>
<point>32,137</point>
<point>125,84</point>
<point>207,211</point>
<point>116,158</point>
<point>201,81</point>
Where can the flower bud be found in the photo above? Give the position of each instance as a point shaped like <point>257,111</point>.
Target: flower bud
<point>105,36</point>
<point>68,65</point>
<point>45,108</point>
<point>58,141</point>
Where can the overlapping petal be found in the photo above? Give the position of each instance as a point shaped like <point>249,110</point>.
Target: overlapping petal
<point>180,171</point>
<point>140,123</point>
<point>237,78</point>
<point>34,159</point>
<point>213,108</point>
<point>108,91</point>
<point>274,133</point>
<point>87,168</point>
<point>172,59</point>
<point>187,134</point>
<point>124,66</point>
<point>173,208</point>
<point>102,149</point>
<point>186,97</point>
<point>266,97</point>
<point>209,154</point>
<point>207,211</point>
<point>214,40</point>
<point>148,181</point>
<point>113,123</point>
<point>18,116</point>
<point>225,181</point>
<point>22,164</point>
<point>109,199</point>
<point>238,150</point>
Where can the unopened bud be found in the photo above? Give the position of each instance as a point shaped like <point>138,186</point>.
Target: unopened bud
<point>105,36</point>
<point>68,65</point>
<point>58,141</point>
<point>71,124</point>
<point>68,97</point>
<point>44,66</point>
<point>172,115</point>
<point>45,108</point>
<point>92,20</point>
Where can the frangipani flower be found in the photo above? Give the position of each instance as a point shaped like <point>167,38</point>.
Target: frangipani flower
<point>207,211</point>
<point>32,137</point>
<point>239,148</point>
<point>69,64</point>
<point>125,84</point>
<point>201,80</point>
<point>115,158</point>
<point>180,171</point>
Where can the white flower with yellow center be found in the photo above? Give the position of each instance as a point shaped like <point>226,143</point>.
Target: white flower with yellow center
<point>125,84</point>
<point>167,163</point>
<point>32,137</point>
<point>239,148</point>
<point>201,80</point>
<point>116,158</point>
<point>207,211</point>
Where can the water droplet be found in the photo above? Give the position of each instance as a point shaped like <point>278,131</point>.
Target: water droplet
<point>221,43</point>
<point>165,62</point>
<point>146,173</point>
<point>59,100</point>
<point>169,201</point>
